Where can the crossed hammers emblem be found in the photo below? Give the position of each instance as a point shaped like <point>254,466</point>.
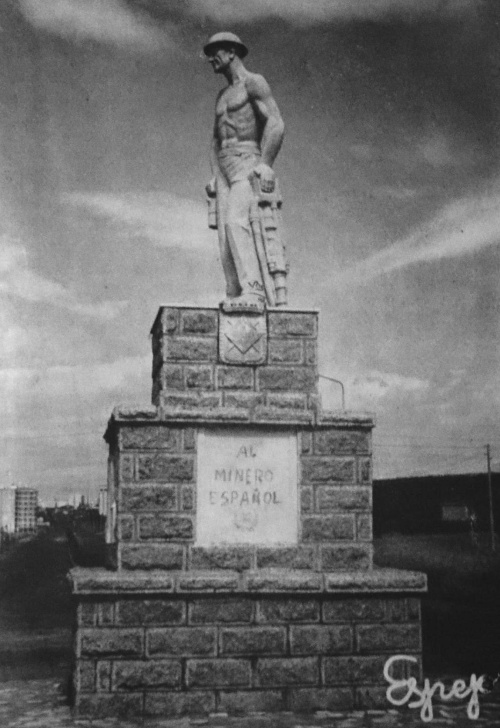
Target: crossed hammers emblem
<point>244,339</point>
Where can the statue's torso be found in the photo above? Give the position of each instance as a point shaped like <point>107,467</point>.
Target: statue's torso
<point>235,116</point>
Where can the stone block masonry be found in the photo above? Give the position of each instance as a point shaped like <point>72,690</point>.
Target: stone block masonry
<point>240,537</point>
<point>187,363</point>
<point>156,646</point>
<point>154,488</point>
<point>154,451</point>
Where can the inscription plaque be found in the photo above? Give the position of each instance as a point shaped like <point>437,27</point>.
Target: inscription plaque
<point>247,488</point>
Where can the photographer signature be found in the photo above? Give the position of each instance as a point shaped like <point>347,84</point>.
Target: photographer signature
<point>459,690</point>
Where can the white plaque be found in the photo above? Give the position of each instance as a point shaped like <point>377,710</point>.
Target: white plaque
<point>247,488</point>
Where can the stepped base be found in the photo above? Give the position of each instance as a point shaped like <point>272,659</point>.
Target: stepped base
<point>171,644</point>
<point>236,469</point>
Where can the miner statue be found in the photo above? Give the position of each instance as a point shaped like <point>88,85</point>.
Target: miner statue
<point>243,194</point>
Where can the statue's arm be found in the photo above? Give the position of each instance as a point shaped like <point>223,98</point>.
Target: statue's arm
<point>211,187</point>
<point>214,145</point>
<point>267,109</point>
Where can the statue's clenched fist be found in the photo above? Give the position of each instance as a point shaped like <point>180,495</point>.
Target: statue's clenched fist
<point>266,176</point>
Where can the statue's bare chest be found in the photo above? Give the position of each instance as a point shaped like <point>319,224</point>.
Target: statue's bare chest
<point>231,100</point>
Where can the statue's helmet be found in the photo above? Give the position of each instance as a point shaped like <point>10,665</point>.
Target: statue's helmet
<point>226,39</point>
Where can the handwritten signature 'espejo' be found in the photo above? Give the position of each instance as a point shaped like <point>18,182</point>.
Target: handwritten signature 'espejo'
<point>459,690</point>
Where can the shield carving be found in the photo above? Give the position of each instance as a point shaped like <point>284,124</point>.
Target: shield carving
<point>242,338</point>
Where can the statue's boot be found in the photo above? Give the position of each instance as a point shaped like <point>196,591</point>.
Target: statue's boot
<point>246,303</point>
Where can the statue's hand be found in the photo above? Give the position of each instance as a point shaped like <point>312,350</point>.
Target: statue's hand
<point>210,188</point>
<point>266,176</point>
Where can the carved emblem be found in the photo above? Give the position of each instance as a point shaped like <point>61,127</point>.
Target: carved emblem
<point>246,520</point>
<point>242,338</point>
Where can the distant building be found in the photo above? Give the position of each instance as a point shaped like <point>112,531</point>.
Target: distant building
<point>434,503</point>
<point>26,505</point>
<point>103,502</point>
<point>455,513</point>
<point>8,509</point>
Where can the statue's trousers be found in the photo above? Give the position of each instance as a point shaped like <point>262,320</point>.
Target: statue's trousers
<point>234,201</point>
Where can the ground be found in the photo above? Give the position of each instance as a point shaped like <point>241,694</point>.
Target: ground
<point>41,704</point>
<point>460,626</point>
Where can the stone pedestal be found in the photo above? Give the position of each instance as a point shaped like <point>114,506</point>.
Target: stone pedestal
<point>240,528</point>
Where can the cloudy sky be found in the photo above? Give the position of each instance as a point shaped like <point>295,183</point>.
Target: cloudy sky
<point>391,176</point>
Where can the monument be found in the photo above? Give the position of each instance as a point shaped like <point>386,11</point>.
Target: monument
<point>243,195</point>
<point>239,529</point>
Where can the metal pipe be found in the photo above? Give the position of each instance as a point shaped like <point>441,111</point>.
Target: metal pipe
<point>336,381</point>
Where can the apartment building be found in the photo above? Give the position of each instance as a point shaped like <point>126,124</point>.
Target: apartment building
<point>26,505</point>
<point>8,509</point>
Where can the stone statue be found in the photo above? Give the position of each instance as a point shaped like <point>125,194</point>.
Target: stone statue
<point>243,195</point>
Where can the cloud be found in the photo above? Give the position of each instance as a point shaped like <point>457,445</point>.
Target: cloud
<point>53,418</point>
<point>462,228</point>
<point>432,149</point>
<point>367,390</point>
<point>18,280</point>
<point>12,337</point>
<point>394,193</point>
<point>105,21</point>
<point>166,220</point>
<point>380,384</point>
<point>86,380</point>
<point>306,12</point>
<point>436,151</point>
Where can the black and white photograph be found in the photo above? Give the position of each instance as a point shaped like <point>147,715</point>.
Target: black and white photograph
<point>249,363</point>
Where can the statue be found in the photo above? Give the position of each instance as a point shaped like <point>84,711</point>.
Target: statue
<point>243,195</point>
